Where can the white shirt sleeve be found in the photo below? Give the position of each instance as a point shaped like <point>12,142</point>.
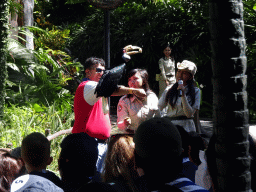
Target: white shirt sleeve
<point>162,103</point>
<point>89,92</point>
<point>152,101</point>
<point>161,67</point>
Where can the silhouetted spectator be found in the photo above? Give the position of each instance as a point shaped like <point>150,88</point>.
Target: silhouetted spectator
<point>77,161</point>
<point>158,152</point>
<point>35,152</point>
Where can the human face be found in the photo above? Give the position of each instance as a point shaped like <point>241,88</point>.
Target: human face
<point>167,51</point>
<point>135,81</point>
<point>183,75</point>
<point>95,73</point>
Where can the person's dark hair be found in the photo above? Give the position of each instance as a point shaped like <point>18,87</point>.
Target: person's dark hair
<point>144,75</point>
<point>167,45</point>
<point>35,149</point>
<point>194,140</point>
<point>92,61</point>
<point>185,139</point>
<point>173,94</point>
<point>197,143</point>
<point>79,153</point>
<point>10,168</point>
<point>151,139</point>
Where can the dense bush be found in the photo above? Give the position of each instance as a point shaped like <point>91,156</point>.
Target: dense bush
<point>151,27</point>
<point>151,24</point>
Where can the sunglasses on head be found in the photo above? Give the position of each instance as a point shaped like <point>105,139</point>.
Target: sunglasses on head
<point>99,70</point>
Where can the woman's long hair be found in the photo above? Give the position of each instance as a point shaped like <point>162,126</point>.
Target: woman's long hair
<point>10,169</point>
<point>173,94</point>
<point>144,75</point>
<point>119,161</point>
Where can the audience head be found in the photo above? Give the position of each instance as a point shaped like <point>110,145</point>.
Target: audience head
<point>158,148</point>
<point>192,143</point>
<point>10,168</point>
<point>119,161</point>
<point>196,144</point>
<point>79,154</point>
<point>35,152</point>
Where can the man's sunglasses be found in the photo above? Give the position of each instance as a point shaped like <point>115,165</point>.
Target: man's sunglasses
<point>99,70</point>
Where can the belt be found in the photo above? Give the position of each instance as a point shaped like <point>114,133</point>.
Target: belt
<point>102,140</point>
<point>178,118</point>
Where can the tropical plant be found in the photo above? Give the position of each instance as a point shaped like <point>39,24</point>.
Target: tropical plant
<point>3,52</point>
<point>150,26</point>
<point>18,122</point>
<point>250,34</point>
<point>36,76</point>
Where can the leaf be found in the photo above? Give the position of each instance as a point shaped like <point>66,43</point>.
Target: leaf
<point>13,66</point>
<point>37,108</point>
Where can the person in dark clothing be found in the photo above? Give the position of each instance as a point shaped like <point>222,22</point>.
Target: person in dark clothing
<point>158,152</point>
<point>77,160</point>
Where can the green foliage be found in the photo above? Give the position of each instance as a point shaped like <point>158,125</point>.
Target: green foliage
<point>15,8</point>
<point>150,25</point>
<point>4,5</point>
<point>37,76</point>
<point>18,122</point>
<point>250,35</point>
<point>54,39</point>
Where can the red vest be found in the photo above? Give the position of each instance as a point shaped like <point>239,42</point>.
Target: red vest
<point>90,119</point>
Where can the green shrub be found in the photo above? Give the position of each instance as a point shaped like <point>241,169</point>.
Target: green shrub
<point>21,121</point>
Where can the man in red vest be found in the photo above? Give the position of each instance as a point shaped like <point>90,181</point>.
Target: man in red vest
<point>91,110</point>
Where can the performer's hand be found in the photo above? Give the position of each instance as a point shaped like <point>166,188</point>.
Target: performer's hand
<point>139,93</point>
<point>166,82</point>
<point>127,121</point>
<point>182,88</point>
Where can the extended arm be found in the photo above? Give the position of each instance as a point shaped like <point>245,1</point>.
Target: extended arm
<point>161,67</point>
<point>188,109</point>
<point>162,103</point>
<point>122,90</point>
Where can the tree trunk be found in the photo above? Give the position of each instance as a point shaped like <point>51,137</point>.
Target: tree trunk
<point>230,111</point>
<point>28,21</point>
<point>4,21</point>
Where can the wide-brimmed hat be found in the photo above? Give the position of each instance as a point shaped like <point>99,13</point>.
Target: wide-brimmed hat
<point>187,66</point>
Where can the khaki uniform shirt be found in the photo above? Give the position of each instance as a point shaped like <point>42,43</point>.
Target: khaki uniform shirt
<point>179,109</point>
<point>136,109</point>
<point>167,68</point>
